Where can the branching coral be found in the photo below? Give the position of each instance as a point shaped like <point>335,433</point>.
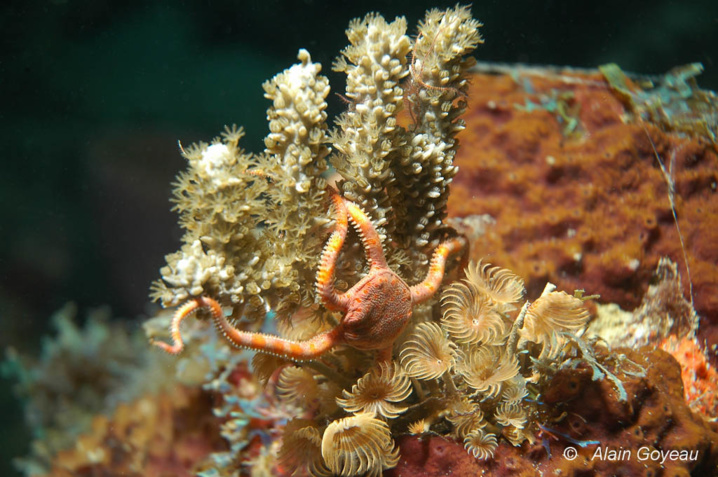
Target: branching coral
<point>435,95</point>
<point>369,139</point>
<point>402,176</point>
<point>250,220</point>
<point>379,306</point>
<point>255,224</point>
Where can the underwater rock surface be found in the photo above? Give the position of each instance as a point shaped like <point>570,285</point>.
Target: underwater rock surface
<point>170,434</point>
<point>569,170</point>
<point>154,435</point>
<point>655,418</point>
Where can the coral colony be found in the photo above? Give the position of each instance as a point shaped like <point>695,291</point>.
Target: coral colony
<point>255,225</point>
<point>376,348</point>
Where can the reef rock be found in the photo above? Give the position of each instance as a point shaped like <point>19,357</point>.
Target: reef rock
<point>653,432</point>
<point>580,180</point>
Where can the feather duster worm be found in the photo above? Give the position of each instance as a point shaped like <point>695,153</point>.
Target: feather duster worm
<point>297,385</point>
<point>487,368</point>
<point>466,417</point>
<point>481,444</point>
<point>469,315</point>
<point>377,390</point>
<point>359,444</point>
<point>502,286</point>
<point>301,453</point>
<point>515,391</point>
<point>511,414</point>
<point>549,315</point>
<point>428,354</point>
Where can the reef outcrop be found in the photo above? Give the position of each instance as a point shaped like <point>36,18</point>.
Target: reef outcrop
<point>610,437</point>
<point>581,183</point>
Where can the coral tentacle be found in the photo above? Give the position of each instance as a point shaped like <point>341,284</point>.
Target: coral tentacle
<point>426,289</point>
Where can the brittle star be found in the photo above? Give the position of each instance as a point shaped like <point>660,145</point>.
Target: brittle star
<point>376,309</point>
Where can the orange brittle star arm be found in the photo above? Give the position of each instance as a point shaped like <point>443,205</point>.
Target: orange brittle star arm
<point>369,237</point>
<point>426,289</point>
<point>296,350</point>
<point>332,299</point>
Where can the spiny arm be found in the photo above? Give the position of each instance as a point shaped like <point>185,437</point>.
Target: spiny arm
<point>332,299</point>
<point>183,312</point>
<point>426,289</point>
<point>369,237</point>
<point>296,350</point>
